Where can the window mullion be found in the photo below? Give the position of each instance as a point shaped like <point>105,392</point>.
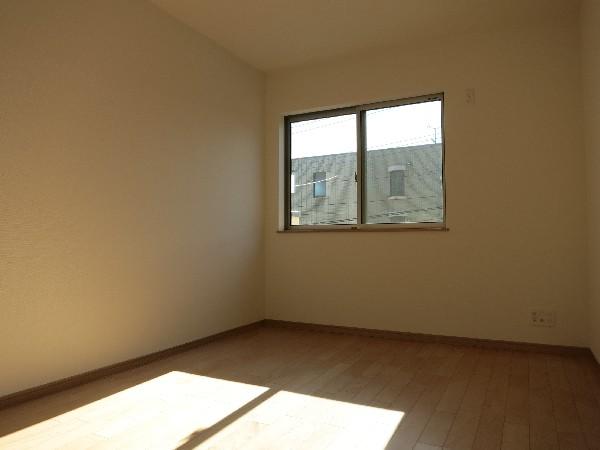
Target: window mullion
<point>358,170</point>
<point>287,168</point>
<point>360,165</point>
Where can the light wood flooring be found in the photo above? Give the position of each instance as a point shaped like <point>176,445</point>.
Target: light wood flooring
<point>276,388</point>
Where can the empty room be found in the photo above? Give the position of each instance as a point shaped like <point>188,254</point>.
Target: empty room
<point>318,224</point>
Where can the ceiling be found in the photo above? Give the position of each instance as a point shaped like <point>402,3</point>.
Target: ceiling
<point>272,34</point>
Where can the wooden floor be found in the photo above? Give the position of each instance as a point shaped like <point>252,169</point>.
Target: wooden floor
<point>275,388</point>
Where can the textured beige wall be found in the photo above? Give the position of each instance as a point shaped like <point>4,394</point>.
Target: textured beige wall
<point>515,191</point>
<point>130,192</point>
<point>590,27</point>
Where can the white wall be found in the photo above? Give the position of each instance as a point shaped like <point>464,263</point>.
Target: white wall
<point>130,187</point>
<point>590,39</point>
<point>515,195</point>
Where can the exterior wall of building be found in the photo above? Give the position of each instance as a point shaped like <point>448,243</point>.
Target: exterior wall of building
<point>423,200</point>
<point>339,204</point>
<point>422,178</point>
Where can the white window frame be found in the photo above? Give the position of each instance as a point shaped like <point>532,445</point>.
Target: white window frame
<point>360,111</point>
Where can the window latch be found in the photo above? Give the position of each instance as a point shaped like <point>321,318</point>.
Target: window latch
<point>356,177</point>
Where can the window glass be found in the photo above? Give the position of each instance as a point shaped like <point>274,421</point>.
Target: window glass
<point>320,184</point>
<point>323,163</point>
<point>403,164</point>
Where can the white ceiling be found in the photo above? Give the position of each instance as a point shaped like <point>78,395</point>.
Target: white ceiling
<point>271,34</point>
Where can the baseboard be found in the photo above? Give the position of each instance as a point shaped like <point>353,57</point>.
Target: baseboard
<point>596,355</point>
<point>92,375</point>
<point>453,340</point>
<point>87,377</point>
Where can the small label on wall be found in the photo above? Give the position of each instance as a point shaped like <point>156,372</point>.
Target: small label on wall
<point>470,96</point>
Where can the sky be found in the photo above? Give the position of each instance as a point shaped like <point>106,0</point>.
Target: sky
<point>398,126</point>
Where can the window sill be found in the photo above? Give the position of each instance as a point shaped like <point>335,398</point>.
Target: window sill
<point>367,229</point>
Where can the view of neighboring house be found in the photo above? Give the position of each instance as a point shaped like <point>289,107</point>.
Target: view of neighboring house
<point>403,184</point>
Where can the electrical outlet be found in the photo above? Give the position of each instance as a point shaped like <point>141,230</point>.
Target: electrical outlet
<point>542,318</point>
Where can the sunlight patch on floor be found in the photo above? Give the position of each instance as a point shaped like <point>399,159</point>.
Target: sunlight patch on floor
<point>183,411</point>
<point>158,413</point>
<point>291,420</point>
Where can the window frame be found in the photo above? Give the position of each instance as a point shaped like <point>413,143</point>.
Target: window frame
<point>361,153</point>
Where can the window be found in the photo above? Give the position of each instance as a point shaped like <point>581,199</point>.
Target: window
<point>397,176</point>
<point>320,184</point>
<point>323,161</point>
<point>366,166</point>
